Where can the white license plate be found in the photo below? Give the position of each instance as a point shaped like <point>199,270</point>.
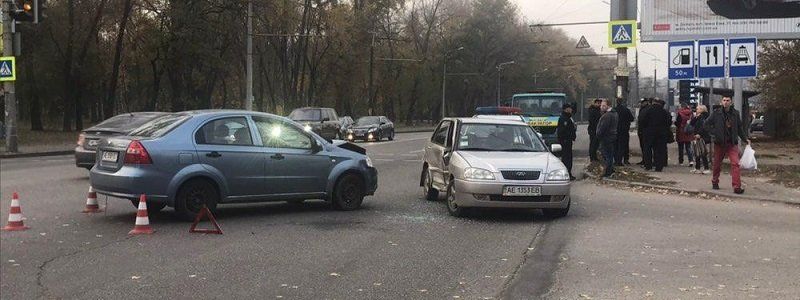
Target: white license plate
<point>110,156</point>
<point>522,191</point>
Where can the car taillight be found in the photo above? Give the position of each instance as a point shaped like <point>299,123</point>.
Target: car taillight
<point>137,154</point>
<point>81,139</point>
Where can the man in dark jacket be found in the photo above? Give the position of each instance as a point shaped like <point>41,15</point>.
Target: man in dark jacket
<point>656,122</point>
<point>623,135</point>
<point>644,105</point>
<point>607,135</point>
<point>726,128</point>
<point>594,117</point>
<point>566,132</point>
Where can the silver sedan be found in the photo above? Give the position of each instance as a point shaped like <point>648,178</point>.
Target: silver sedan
<point>493,163</point>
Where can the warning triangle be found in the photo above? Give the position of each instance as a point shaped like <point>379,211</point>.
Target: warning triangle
<point>622,35</point>
<point>583,43</point>
<point>205,212</point>
<point>5,70</point>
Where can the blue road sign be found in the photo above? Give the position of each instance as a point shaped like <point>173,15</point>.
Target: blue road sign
<point>711,54</point>
<point>622,34</point>
<point>8,68</point>
<point>743,57</point>
<point>681,60</point>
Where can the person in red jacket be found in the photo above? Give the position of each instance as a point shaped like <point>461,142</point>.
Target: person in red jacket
<point>683,138</point>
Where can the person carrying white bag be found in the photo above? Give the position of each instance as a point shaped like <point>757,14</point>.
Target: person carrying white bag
<point>725,126</point>
<point>748,160</point>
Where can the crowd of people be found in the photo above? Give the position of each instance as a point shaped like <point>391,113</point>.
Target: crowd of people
<point>699,134</point>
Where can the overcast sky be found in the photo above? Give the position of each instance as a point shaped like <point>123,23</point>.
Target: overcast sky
<point>566,11</point>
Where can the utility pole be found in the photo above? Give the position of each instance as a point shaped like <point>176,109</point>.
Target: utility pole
<point>371,63</point>
<point>622,10</point>
<point>444,79</point>
<point>9,29</point>
<point>499,70</point>
<point>248,104</point>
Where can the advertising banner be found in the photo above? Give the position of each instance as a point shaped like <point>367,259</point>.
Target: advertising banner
<point>668,20</point>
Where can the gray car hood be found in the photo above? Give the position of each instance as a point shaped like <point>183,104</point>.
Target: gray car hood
<point>496,161</point>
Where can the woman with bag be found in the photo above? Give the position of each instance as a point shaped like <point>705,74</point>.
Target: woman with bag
<point>684,139</point>
<point>701,139</point>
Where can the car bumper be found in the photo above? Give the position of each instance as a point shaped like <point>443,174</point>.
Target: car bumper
<point>363,137</point>
<point>84,158</point>
<point>129,183</point>
<point>489,194</point>
<point>371,179</point>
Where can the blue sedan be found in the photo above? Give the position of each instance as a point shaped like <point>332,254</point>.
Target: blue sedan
<point>189,159</point>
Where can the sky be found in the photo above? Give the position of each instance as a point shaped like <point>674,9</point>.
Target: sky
<point>567,11</point>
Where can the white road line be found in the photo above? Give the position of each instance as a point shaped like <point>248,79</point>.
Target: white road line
<point>418,151</point>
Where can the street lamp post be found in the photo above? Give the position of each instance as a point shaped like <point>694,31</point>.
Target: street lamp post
<point>444,79</point>
<point>655,72</point>
<point>536,77</point>
<point>499,69</point>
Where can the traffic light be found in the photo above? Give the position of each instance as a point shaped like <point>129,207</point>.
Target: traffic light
<point>29,10</point>
<point>687,91</point>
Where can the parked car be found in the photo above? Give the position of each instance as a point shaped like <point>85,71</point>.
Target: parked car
<point>371,128</point>
<point>323,121</point>
<point>209,157</point>
<point>347,123</point>
<point>116,125</point>
<point>493,163</point>
<point>757,125</point>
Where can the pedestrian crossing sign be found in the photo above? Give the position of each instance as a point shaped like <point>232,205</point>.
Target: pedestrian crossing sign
<point>8,71</point>
<point>622,34</point>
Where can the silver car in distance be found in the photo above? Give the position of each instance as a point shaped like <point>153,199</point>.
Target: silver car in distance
<point>493,163</point>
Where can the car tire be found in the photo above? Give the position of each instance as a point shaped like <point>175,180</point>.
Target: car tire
<point>348,193</point>
<point>391,136</point>
<point>557,212</point>
<point>452,206</point>
<point>152,207</point>
<point>191,197</point>
<point>428,192</point>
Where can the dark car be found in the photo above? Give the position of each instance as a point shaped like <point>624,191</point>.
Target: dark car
<point>347,123</point>
<point>371,128</point>
<point>114,126</point>
<point>323,121</point>
<point>757,125</point>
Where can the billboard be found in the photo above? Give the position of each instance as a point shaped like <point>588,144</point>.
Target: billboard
<point>666,20</point>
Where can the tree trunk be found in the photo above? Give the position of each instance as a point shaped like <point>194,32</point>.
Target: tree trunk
<point>108,107</point>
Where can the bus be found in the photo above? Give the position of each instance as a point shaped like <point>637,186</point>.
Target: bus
<point>541,111</point>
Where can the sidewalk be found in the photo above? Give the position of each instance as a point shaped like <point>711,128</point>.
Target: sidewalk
<point>757,185</point>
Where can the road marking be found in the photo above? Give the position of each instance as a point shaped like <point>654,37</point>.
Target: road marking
<point>418,151</point>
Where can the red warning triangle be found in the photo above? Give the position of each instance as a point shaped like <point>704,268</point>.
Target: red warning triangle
<point>205,212</point>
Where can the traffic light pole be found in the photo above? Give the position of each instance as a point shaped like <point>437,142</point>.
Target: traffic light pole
<point>248,104</point>
<point>8,86</point>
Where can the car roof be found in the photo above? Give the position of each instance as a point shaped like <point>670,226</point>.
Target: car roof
<point>499,117</point>
<point>488,121</point>
<point>541,95</point>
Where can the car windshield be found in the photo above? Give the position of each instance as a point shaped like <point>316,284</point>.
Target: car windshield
<point>539,106</point>
<point>306,115</point>
<point>363,121</point>
<point>499,137</point>
<point>126,121</point>
<point>159,126</point>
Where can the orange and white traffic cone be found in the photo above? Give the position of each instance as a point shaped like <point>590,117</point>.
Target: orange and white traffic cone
<point>15,216</point>
<point>91,202</point>
<point>142,221</point>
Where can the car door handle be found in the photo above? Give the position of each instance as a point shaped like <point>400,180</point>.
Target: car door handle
<point>277,156</point>
<point>213,154</point>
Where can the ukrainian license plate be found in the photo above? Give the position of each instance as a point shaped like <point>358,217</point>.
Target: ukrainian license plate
<point>110,156</point>
<point>522,191</point>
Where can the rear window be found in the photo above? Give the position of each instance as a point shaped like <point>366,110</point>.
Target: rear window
<point>306,115</point>
<point>160,126</point>
<point>126,121</point>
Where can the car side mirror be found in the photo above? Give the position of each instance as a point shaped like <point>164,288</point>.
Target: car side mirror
<point>315,146</point>
<point>325,120</point>
<point>555,148</point>
<point>448,152</point>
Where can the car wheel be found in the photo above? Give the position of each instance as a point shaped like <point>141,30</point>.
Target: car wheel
<point>557,212</point>
<point>349,193</point>
<point>191,197</point>
<point>452,207</point>
<point>428,192</point>
<point>391,136</point>
<point>152,207</point>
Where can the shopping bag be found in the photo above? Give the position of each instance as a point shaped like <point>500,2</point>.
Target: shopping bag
<point>748,160</point>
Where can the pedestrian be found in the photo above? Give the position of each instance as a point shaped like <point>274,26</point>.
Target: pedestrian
<point>625,116</point>
<point>726,128</point>
<point>606,134</point>
<point>683,138</point>
<point>657,122</point>
<point>594,117</point>
<point>644,105</point>
<point>566,132</point>
<point>701,140</point>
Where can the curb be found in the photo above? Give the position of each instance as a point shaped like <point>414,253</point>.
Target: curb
<point>688,191</point>
<point>36,154</point>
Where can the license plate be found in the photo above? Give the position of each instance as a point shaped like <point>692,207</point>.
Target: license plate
<point>93,143</point>
<point>522,191</point>
<point>110,156</point>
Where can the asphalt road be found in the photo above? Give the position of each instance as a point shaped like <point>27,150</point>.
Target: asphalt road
<point>614,244</point>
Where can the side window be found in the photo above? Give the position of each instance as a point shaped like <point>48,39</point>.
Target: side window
<point>227,131</point>
<point>440,136</point>
<point>277,134</point>
<point>332,114</point>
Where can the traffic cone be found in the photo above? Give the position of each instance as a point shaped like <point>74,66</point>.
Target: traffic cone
<point>15,216</point>
<point>91,202</point>
<point>142,221</point>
